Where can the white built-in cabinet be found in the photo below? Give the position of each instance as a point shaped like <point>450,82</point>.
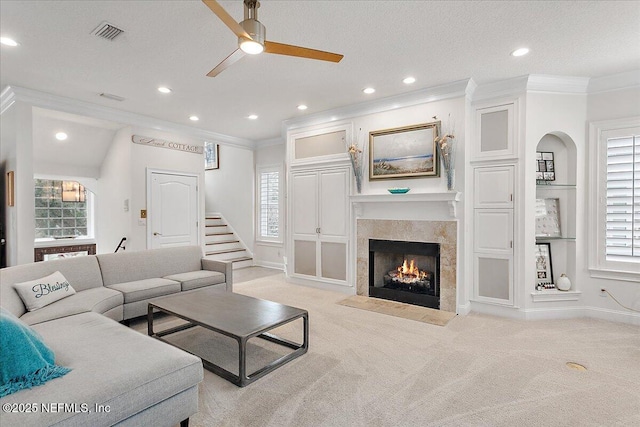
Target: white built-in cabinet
<point>493,166</point>
<point>493,234</point>
<point>319,224</point>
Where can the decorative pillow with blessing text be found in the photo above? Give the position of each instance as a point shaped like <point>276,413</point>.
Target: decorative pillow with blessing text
<point>40,292</point>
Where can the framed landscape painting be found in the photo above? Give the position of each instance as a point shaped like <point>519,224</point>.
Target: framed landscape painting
<point>404,152</point>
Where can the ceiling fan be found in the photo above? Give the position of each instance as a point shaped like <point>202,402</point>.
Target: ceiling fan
<point>251,38</point>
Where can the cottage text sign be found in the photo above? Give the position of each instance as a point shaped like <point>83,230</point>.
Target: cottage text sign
<point>189,148</point>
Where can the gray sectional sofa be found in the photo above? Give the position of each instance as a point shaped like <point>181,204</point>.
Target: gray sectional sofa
<point>141,380</point>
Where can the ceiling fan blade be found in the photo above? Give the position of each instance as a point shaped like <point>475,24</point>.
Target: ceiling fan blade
<point>302,52</point>
<point>228,61</point>
<point>226,18</point>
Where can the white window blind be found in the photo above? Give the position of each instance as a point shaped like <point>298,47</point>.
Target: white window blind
<point>270,204</point>
<point>623,199</point>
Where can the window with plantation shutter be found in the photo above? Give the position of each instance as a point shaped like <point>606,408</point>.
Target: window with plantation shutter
<point>623,198</point>
<point>613,229</point>
<point>269,223</point>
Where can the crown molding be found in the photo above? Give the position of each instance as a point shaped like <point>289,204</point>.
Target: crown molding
<point>455,89</point>
<point>272,142</point>
<point>557,84</point>
<point>626,80</point>
<point>12,94</point>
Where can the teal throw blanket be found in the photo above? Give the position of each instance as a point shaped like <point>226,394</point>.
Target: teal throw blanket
<point>25,360</point>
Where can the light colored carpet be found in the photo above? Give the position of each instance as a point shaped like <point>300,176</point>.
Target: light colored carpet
<point>366,369</point>
<point>398,309</point>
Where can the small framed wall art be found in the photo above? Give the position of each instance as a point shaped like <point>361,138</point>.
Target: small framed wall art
<point>544,270</point>
<point>211,156</point>
<point>545,168</point>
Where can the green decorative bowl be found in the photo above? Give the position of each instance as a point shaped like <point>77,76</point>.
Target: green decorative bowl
<point>400,190</point>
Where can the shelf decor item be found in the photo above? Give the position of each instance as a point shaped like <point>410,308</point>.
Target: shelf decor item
<point>544,270</point>
<point>548,218</point>
<point>545,168</point>
<point>406,152</point>
<point>446,148</point>
<point>398,190</point>
<point>564,284</point>
<point>355,155</point>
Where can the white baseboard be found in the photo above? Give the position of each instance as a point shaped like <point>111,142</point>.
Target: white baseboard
<point>465,309</point>
<point>566,312</point>
<point>267,264</point>
<point>348,290</point>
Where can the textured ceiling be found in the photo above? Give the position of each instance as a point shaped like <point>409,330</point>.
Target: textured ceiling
<point>175,43</point>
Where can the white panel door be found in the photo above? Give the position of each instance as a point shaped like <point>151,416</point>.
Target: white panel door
<point>493,187</point>
<point>493,230</point>
<point>333,209</point>
<point>305,204</point>
<point>173,210</point>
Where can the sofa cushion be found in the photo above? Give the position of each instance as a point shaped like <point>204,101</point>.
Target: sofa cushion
<point>25,360</point>
<point>197,279</point>
<point>99,300</point>
<point>140,290</point>
<point>130,266</point>
<point>38,293</point>
<point>82,272</point>
<point>112,365</point>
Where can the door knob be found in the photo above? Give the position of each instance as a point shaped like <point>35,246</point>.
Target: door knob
<point>155,233</point>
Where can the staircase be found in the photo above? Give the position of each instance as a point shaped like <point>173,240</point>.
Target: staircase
<point>222,244</point>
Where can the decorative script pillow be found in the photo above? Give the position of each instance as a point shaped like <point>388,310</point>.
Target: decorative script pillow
<point>40,292</point>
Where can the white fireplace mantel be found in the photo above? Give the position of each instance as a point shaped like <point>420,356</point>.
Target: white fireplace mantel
<point>449,197</point>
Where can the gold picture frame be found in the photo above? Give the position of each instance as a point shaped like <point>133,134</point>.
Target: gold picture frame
<point>11,196</point>
<point>405,152</point>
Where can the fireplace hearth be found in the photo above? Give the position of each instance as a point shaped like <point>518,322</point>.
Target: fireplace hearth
<point>404,271</point>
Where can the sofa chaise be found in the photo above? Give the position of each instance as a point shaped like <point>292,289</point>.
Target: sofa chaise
<point>141,381</point>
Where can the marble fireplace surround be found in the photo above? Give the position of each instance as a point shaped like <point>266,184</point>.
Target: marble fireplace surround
<point>442,232</point>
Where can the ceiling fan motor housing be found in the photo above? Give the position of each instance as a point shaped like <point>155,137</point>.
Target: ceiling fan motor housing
<point>255,29</point>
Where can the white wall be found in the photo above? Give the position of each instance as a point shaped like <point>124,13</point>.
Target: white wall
<point>230,190</point>
<point>270,254</point>
<point>114,187</point>
<point>17,152</point>
<point>608,106</point>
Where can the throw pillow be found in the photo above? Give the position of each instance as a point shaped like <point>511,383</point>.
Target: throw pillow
<point>25,360</point>
<point>37,293</point>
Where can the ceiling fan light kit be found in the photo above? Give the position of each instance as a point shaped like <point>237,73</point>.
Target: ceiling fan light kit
<point>251,38</point>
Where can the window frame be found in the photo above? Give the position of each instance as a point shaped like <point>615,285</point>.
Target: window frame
<point>599,266</point>
<point>260,170</point>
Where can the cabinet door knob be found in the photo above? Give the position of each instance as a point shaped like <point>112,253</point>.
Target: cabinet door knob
<point>155,233</point>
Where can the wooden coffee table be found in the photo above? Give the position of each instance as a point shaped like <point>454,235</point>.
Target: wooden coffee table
<point>237,316</point>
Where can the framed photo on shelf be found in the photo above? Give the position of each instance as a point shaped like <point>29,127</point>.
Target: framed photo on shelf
<point>548,218</point>
<point>211,156</point>
<point>544,270</point>
<point>545,168</point>
<point>404,152</point>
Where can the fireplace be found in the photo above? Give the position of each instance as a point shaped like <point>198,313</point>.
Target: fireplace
<point>406,272</point>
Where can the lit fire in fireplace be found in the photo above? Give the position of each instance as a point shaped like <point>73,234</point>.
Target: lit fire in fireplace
<point>409,273</point>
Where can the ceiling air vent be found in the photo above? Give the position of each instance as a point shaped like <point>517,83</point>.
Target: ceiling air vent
<point>112,97</point>
<point>107,31</point>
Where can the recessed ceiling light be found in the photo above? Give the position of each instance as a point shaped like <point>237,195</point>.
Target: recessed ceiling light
<point>61,136</point>
<point>194,118</point>
<point>8,41</point>
<point>252,117</point>
<point>409,80</point>
<point>302,107</point>
<point>520,52</point>
<point>368,90</point>
<point>164,89</point>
